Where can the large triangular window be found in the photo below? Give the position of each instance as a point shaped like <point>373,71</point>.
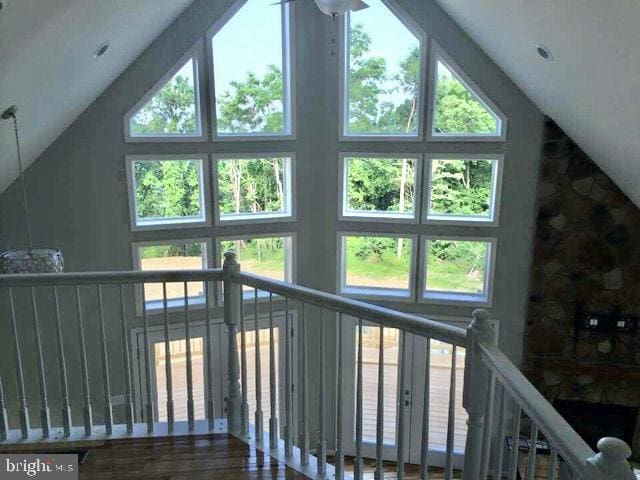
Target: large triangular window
<point>171,109</point>
<point>382,73</point>
<point>252,71</point>
<point>460,110</point>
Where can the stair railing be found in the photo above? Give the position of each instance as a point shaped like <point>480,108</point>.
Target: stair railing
<point>500,402</point>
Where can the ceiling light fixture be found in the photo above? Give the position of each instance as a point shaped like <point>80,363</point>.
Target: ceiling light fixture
<point>102,49</point>
<point>544,52</point>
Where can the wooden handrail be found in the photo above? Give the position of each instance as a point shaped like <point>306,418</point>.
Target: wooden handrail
<point>374,313</point>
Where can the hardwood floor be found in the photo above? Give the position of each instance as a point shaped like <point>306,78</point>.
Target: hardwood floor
<point>187,458</point>
<point>411,472</point>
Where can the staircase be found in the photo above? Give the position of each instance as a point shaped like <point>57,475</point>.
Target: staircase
<point>84,321</point>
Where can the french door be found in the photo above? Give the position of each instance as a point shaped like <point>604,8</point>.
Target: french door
<point>411,397</point>
<point>219,349</point>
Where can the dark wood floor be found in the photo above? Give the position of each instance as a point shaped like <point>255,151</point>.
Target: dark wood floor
<point>411,472</point>
<point>186,458</point>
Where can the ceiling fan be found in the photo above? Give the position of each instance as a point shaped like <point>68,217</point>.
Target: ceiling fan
<point>335,7</point>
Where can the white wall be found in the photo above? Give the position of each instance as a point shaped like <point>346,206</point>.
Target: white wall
<point>79,196</point>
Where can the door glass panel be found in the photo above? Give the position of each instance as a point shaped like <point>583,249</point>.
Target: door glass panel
<point>370,362</point>
<point>178,350</point>
<point>441,356</point>
<point>265,365</point>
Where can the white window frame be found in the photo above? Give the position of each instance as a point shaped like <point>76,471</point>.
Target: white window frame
<point>439,55</point>
<point>290,259</point>
<point>343,60</point>
<point>288,77</point>
<point>363,216</point>
<point>378,293</point>
<point>170,223</point>
<point>289,214</point>
<point>195,53</point>
<point>467,220</point>
<point>458,298</point>
<point>175,305</point>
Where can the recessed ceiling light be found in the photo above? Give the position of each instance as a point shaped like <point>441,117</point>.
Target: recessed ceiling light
<point>544,52</point>
<point>102,49</point>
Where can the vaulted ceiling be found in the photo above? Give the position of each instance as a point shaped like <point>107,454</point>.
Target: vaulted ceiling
<point>47,67</point>
<point>592,86</point>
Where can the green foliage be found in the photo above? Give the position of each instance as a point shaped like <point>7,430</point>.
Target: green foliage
<point>167,188</point>
<point>264,256</point>
<point>456,265</point>
<point>172,250</point>
<point>461,187</point>
<point>369,83</point>
<point>253,105</point>
<point>251,185</point>
<point>374,184</point>
<point>172,110</point>
<point>457,110</point>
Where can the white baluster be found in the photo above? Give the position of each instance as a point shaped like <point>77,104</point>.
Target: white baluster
<point>531,461</point>
<point>22,398</point>
<point>288,440</point>
<point>304,425</point>
<point>379,475</point>
<point>402,406</point>
<point>358,465</point>
<point>42,384</point>
<point>167,361</point>
<point>244,409</point>
<point>515,438</point>
<point>126,349</point>
<point>322,440</point>
<point>476,382</point>
<point>4,417</point>
<point>258,371</point>
<point>108,410</point>
<point>339,462</point>
<point>552,471</point>
<point>62,367</point>
<point>147,364</point>
<point>232,301</point>
<point>488,428</point>
<point>187,331</point>
<point>610,463</point>
<point>210,394</point>
<point>502,422</point>
<point>424,447</point>
<point>88,420</point>
<point>273,387</point>
<point>451,421</point>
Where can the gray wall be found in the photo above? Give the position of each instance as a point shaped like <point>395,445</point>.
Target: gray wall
<point>79,194</point>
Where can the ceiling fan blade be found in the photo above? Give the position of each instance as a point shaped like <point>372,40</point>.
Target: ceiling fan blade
<point>357,5</point>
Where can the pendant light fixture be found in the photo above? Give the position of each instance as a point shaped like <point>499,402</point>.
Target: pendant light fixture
<point>30,259</point>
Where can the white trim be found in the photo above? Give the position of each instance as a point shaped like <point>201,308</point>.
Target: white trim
<point>195,303</point>
<point>288,80</point>
<point>343,59</point>
<point>289,175</point>
<point>439,55</point>
<point>377,216</point>
<point>290,256</point>
<point>195,53</point>
<point>204,220</point>
<point>458,298</point>
<point>467,220</point>
<point>378,293</point>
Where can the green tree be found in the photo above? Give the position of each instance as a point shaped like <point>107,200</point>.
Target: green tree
<point>170,111</point>
<point>253,104</point>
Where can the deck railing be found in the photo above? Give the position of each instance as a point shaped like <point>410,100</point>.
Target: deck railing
<point>102,308</point>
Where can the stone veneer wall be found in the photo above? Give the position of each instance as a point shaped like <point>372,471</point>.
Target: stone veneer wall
<point>586,254</point>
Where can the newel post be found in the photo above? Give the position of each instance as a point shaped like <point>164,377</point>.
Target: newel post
<point>610,463</point>
<point>474,398</point>
<point>232,309</point>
